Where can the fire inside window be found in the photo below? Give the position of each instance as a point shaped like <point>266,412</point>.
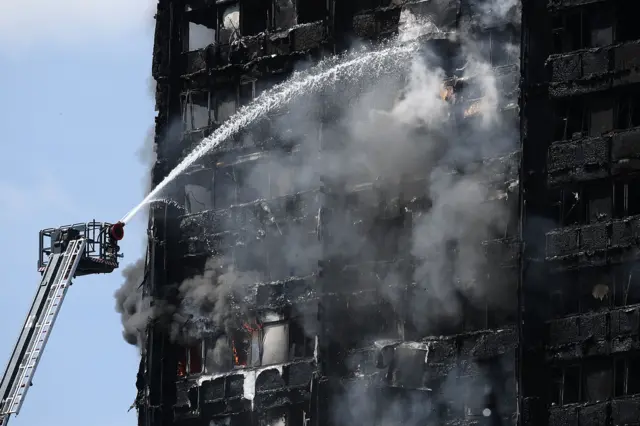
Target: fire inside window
<point>242,342</point>
<point>190,360</point>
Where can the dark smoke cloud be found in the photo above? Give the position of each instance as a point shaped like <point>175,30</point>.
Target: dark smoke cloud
<point>129,302</point>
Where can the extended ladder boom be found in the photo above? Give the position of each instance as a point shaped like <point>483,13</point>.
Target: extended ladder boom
<point>56,279</point>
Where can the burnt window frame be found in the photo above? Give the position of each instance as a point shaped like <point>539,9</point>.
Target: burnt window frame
<point>200,15</point>
<point>229,93</point>
<point>185,353</point>
<point>626,197</point>
<point>573,213</point>
<point>625,276</point>
<point>204,178</point>
<point>569,112</point>
<point>627,113</point>
<point>186,99</point>
<point>220,8</point>
<point>618,366</point>
<point>255,329</point>
<point>623,14</point>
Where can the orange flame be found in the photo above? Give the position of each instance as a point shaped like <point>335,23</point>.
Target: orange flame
<point>473,109</point>
<point>182,369</point>
<point>236,358</point>
<point>250,329</point>
<point>446,93</point>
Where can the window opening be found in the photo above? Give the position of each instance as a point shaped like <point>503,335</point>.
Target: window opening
<point>284,14</point>
<point>572,120</point>
<point>627,285</point>
<point>229,24</point>
<point>301,345</point>
<point>598,380</point>
<point>190,360</point>
<point>196,109</point>
<point>571,31</point>
<point>199,37</point>
<point>226,106</point>
<point>573,210</point>
<point>260,343</point>
<point>311,10</point>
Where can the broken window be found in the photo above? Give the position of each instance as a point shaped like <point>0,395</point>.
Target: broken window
<point>241,343</point>
<point>196,109</point>
<point>190,360</point>
<point>633,375</point>
<point>566,384</point>
<point>565,294</point>
<point>198,196</point>
<point>572,120</point>
<point>247,92</point>
<point>628,112</point>
<point>282,179</point>
<point>475,316</point>
<point>258,19</point>
<point>571,31</point>
<point>228,23</point>
<point>263,342</point>
<point>626,198</point>
<point>601,116</point>
<point>275,343</point>
<point>198,37</point>
<point>252,257</point>
<point>627,285</point>
<point>292,415</point>
<point>601,24</point>
<point>284,14</point>
<point>362,5</point>
<point>274,418</point>
<point>310,10</point>
<point>226,104</point>
<point>627,27</point>
<point>217,354</point>
<point>408,367</point>
<point>225,187</point>
<point>301,345</point>
<point>595,289</point>
<point>597,380</point>
<point>502,48</point>
<point>627,375</point>
<point>573,207</point>
<point>251,185</point>
<point>599,202</point>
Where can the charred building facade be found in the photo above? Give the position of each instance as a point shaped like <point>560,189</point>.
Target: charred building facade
<point>418,212</point>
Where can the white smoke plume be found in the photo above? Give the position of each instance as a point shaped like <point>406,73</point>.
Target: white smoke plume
<point>419,136</point>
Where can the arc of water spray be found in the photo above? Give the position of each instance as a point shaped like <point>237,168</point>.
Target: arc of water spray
<point>301,83</point>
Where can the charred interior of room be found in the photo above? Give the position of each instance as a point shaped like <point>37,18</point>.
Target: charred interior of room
<point>441,228</point>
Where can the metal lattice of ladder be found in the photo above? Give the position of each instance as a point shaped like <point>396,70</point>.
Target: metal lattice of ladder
<point>39,324</point>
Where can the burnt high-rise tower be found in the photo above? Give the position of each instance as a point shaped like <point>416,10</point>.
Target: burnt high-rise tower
<point>442,232</point>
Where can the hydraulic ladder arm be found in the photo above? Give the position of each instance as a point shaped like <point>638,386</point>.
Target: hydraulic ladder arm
<point>59,272</point>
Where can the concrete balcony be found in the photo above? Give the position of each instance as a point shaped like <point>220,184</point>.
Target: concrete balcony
<point>594,70</point>
<point>593,334</point>
<point>591,158</point>
<point>613,241</point>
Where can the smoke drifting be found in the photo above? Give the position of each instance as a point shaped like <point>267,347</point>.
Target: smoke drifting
<point>129,303</point>
<point>435,138</point>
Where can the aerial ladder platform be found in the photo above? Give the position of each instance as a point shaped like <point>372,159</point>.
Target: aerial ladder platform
<point>65,252</point>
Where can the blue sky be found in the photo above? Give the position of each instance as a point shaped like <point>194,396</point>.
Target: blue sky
<point>75,108</point>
